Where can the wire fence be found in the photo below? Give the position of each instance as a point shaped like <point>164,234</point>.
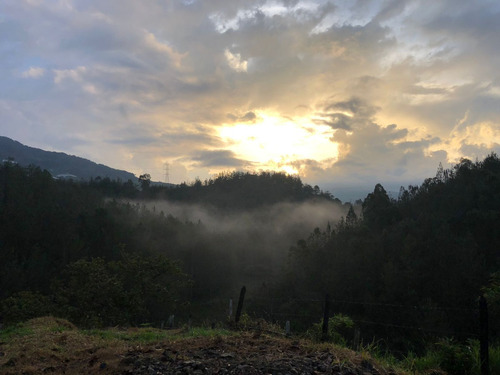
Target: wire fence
<point>394,325</point>
<point>374,318</point>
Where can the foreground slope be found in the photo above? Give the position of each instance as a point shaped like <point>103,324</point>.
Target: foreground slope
<point>51,345</point>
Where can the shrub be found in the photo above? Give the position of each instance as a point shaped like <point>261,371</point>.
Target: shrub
<point>339,328</point>
<point>454,358</point>
<point>133,290</point>
<point>25,305</point>
<point>90,295</point>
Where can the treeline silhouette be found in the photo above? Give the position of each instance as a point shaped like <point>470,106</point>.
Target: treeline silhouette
<point>239,190</point>
<point>421,260</point>
<point>102,253</point>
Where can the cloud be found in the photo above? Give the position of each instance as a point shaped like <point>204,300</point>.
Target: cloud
<point>33,72</point>
<point>368,150</point>
<point>218,158</point>
<point>143,85</point>
<point>247,117</point>
<point>235,62</point>
<point>73,74</point>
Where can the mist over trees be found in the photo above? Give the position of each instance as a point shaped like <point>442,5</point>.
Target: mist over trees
<point>54,232</point>
<point>105,252</point>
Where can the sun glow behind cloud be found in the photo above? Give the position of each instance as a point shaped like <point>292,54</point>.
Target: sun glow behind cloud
<point>277,143</point>
<point>350,93</point>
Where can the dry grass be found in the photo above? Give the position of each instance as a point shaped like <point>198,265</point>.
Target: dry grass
<point>52,345</point>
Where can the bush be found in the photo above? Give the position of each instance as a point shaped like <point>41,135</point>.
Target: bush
<point>90,295</point>
<point>340,327</point>
<point>454,358</point>
<point>133,290</point>
<point>25,305</point>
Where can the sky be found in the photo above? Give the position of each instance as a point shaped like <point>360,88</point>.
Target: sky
<point>346,94</point>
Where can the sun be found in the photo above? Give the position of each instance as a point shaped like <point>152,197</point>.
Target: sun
<point>274,142</point>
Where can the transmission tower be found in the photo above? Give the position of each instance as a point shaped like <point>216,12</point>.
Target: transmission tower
<point>166,168</point>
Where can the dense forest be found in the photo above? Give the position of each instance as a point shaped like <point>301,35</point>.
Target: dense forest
<point>107,252</point>
<point>420,261</point>
<point>104,252</point>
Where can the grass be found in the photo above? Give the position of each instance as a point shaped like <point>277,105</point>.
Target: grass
<point>50,344</point>
<point>148,335</point>
<point>437,361</point>
<point>55,345</point>
<point>18,330</point>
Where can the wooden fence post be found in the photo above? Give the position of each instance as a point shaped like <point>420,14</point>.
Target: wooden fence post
<point>483,336</point>
<point>287,328</point>
<point>326,314</point>
<point>230,308</point>
<point>240,305</point>
<point>357,333</point>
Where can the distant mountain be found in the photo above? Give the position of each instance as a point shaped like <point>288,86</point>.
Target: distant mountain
<point>59,163</point>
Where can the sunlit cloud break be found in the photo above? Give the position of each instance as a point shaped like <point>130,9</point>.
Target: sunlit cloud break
<point>342,93</point>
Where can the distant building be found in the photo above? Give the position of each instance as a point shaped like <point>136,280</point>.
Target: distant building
<point>66,176</point>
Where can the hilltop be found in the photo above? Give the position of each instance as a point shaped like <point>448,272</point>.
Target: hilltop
<point>59,163</point>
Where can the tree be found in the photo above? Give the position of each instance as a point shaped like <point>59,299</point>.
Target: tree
<point>377,208</point>
<point>351,217</point>
<point>145,181</point>
<point>91,295</point>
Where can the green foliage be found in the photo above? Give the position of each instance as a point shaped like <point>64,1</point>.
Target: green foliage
<point>340,330</point>
<point>91,295</point>
<point>492,295</point>
<point>494,358</point>
<point>152,286</point>
<point>454,358</point>
<point>421,364</point>
<point>97,293</point>
<point>25,305</point>
<point>419,261</point>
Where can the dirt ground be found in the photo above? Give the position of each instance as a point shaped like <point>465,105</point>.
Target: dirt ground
<point>54,346</point>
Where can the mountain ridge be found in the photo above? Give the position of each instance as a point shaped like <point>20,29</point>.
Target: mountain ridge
<point>59,163</point>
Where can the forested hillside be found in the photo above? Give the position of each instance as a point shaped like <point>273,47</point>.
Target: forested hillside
<point>419,261</point>
<point>57,162</point>
<point>105,252</point>
<point>239,190</point>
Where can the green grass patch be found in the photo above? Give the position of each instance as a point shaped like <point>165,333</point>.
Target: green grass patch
<point>151,335</point>
<point>445,356</point>
<point>207,332</point>
<point>18,330</point>
<point>138,335</point>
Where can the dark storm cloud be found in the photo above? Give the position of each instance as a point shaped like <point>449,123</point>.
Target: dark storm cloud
<point>247,117</point>
<point>218,158</point>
